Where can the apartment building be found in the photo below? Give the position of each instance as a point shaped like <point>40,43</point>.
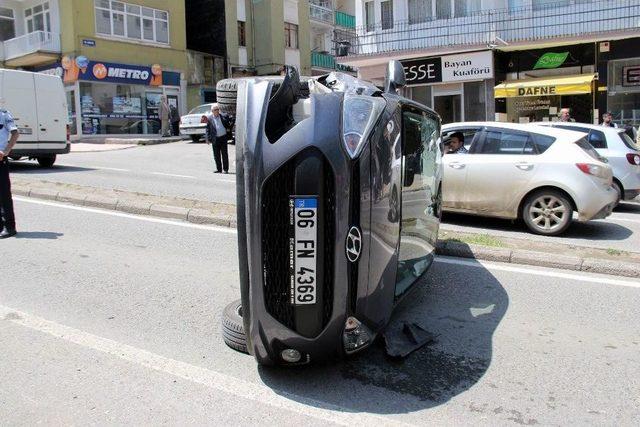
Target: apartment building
<point>262,36</point>
<point>331,21</point>
<point>116,58</point>
<point>508,60</point>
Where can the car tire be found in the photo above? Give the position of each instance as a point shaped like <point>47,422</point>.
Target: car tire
<point>227,92</point>
<point>195,138</point>
<point>547,212</point>
<point>46,161</point>
<point>233,327</point>
<point>618,189</point>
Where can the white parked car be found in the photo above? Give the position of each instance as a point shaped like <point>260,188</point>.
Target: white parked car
<point>539,174</point>
<point>194,124</point>
<point>620,150</point>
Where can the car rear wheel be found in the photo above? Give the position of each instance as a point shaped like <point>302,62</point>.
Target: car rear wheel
<point>233,328</point>
<point>46,161</point>
<point>195,138</point>
<point>547,212</point>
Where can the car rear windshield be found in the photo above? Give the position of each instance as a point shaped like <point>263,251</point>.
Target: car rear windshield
<point>201,109</point>
<point>588,148</point>
<point>628,141</point>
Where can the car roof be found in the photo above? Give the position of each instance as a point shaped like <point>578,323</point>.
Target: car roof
<point>581,125</point>
<point>560,134</point>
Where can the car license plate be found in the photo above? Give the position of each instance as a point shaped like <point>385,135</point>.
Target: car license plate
<point>303,219</point>
<point>25,131</point>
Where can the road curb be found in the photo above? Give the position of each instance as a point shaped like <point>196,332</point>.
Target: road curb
<point>223,218</point>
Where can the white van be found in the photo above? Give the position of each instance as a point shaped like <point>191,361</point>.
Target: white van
<point>38,105</point>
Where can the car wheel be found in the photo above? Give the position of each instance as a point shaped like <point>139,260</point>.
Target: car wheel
<point>233,328</point>
<point>46,161</point>
<point>547,212</point>
<point>195,138</point>
<point>618,189</point>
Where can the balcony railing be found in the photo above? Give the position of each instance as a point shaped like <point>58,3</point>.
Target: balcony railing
<point>345,20</point>
<point>324,60</point>
<point>496,27</point>
<point>37,41</point>
<point>321,11</point>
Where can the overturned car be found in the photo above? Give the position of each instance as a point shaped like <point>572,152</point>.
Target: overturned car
<point>338,207</point>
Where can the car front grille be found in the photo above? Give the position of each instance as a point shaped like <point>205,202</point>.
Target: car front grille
<point>276,191</point>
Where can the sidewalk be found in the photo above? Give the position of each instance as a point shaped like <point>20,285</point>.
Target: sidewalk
<point>126,139</point>
<point>451,243</point>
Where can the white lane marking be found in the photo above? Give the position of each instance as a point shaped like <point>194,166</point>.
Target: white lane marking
<point>446,260</point>
<point>258,393</point>
<point>174,174</point>
<point>539,272</point>
<point>214,228</point>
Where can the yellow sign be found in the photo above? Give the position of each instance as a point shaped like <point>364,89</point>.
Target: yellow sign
<point>568,85</point>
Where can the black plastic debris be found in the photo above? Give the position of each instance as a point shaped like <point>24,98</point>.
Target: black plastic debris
<point>404,340</point>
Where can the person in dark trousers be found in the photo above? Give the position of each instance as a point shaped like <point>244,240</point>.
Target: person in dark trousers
<point>8,138</point>
<point>217,125</point>
<point>174,116</point>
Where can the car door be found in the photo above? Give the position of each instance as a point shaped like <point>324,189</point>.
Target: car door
<point>51,111</point>
<point>19,98</point>
<point>498,170</point>
<point>455,172</point>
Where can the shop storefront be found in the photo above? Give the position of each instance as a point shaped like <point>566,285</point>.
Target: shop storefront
<point>458,87</point>
<point>536,84</point>
<point>619,69</point>
<point>109,99</point>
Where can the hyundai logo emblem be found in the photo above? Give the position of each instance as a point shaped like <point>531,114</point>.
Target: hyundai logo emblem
<point>354,244</point>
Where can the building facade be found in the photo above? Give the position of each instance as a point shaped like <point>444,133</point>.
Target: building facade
<point>116,58</point>
<point>262,36</point>
<point>508,60</point>
<point>331,21</point>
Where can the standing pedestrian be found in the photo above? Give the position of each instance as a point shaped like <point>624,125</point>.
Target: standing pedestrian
<point>217,125</point>
<point>163,112</point>
<point>565,116</point>
<point>175,120</point>
<point>8,138</point>
<point>607,120</point>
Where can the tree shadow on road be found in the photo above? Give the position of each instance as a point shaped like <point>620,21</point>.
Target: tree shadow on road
<point>42,235</point>
<point>461,305</point>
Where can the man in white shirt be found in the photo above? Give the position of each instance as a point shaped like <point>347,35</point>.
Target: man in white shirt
<point>217,125</point>
<point>8,138</point>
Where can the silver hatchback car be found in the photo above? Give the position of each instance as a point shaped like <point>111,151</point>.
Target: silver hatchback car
<point>539,174</point>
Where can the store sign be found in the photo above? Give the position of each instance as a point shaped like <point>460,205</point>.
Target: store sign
<point>81,68</point>
<point>537,91</point>
<point>631,76</point>
<point>451,68</point>
<point>88,42</point>
<point>551,60</point>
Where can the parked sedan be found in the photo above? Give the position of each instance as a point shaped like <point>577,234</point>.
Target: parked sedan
<point>620,150</point>
<point>539,174</point>
<point>194,124</point>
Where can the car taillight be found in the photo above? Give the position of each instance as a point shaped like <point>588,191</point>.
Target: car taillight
<point>634,159</point>
<point>68,133</point>
<point>203,119</point>
<point>594,170</point>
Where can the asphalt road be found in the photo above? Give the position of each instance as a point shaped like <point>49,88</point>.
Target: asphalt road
<point>108,318</point>
<point>185,169</point>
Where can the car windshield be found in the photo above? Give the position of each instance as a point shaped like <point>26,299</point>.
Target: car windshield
<point>628,141</point>
<point>588,148</point>
<point>201,109</point>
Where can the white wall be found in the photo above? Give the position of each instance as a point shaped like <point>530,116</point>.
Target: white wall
<point>292,57</point>
<point>242,13</point>
<point>242,56</point>
<point>291,11</point>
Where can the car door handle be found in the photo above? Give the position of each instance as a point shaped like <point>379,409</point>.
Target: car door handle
<point>524,166</point>
<point>456,165</point>
<point>43,129</point>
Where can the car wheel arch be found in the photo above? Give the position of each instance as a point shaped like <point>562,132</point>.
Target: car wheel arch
<point>524,198</point>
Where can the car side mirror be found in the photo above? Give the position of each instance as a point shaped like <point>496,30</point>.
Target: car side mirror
<point>395,78</point>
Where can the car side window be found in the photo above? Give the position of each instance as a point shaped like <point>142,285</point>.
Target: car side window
<point>542,142</point>
<point>469,135</point>
<point>597,139</point>
<point>506,142</point>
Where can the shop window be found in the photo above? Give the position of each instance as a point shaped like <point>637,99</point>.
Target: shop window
<point>421,94</point>
<point>7,24</point>
<point>242,38</point>
<point>467,7</point>
<point>38,18</point>
<point>369,16</point>
<point>420,11</point>
<point>290,35</point>
<point>119,19</point>
<point>475,104</point>
<point>544,4</point>
<point>443,9</point>
<point>386,10</point>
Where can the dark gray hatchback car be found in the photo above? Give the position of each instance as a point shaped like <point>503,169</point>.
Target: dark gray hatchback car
<point>338,199</point>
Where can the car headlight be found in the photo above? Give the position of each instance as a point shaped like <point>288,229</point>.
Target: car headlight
<point>359,114</point>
